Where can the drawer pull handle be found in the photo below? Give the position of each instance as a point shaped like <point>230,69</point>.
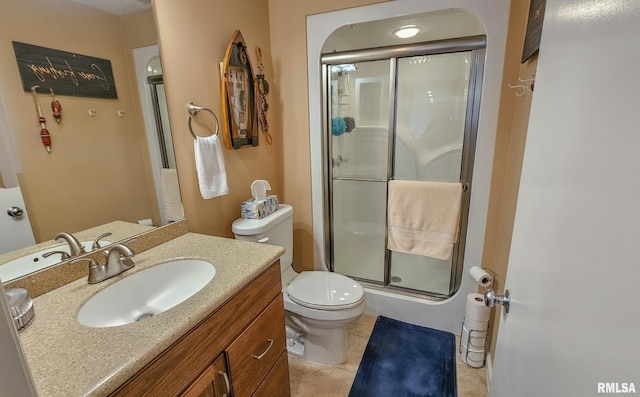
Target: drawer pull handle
<point>226,382</point>
<point>266,351</point>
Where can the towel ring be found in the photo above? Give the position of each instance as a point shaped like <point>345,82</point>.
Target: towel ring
<point>194,109</point>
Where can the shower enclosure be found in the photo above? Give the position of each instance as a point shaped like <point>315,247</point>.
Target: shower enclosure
<point>402,112</point>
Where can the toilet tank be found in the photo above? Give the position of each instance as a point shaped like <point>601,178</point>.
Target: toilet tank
<point>274,229</point>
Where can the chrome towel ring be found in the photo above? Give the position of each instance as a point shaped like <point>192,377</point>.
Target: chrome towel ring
<point>194,109</point>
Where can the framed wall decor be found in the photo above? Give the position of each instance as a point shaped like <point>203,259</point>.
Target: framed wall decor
<point>238,95</point>
<point>64,72</point>
<point>534,29</point>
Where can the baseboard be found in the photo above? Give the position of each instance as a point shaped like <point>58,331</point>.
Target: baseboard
<point>488,367</point>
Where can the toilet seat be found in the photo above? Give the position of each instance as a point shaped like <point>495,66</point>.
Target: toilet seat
<point>328,316</point>
<point>325,291</point>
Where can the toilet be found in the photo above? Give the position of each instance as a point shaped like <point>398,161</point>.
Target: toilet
<point>319,305</point>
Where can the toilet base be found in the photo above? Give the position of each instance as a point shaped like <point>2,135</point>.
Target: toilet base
<point>321,346</point>
<point>331,348</point>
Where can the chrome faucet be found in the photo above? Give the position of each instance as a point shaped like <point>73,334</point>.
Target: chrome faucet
<point>118,261</point>
<point>74,245</point>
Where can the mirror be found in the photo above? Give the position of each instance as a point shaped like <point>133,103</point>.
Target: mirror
<point>105,162</point>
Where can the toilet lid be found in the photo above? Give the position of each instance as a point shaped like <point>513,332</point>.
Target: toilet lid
<point>325,291</point>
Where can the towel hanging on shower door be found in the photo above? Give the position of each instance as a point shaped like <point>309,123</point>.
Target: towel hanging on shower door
<point>424,217</point>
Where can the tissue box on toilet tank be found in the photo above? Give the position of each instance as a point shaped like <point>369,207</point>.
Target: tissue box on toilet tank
<point>258,209</point>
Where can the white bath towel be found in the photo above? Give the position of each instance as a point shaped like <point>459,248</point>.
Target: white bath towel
<point>424,217</point>
<point>212,176</point>
<point>171,201</point>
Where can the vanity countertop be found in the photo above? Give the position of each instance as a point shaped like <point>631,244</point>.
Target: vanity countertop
<point>69,359</point>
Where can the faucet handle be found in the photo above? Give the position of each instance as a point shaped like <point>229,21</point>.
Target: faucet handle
<point>127,259</point>
<point>96,242</point>
<point>63,255</point>
<point>97,272</point>
<point>119,256</point>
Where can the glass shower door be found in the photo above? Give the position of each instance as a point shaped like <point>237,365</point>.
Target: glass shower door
<point>431,106</point>
<point>360,167</point>
<point>409,117</point>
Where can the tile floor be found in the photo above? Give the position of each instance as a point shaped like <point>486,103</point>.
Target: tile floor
<point>335,381</point>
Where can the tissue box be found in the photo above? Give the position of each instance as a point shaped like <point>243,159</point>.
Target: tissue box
<point>258,209</point>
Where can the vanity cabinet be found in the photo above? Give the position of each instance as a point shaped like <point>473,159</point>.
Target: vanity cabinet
<point>242,342</point>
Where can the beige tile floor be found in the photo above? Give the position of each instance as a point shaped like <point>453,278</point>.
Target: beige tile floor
<point>309,379</point>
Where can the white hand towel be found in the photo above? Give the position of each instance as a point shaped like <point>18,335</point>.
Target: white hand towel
<point>212,176</point>
<point>423,217</point>
<point>171,201</point>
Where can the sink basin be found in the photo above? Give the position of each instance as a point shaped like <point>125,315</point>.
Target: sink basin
<point>146,293</point>
<point>33,262</point>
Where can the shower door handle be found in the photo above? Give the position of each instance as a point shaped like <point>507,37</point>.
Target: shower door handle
<point>339,160</point>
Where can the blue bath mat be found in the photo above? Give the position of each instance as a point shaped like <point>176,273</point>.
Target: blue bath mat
<point>406,360</point>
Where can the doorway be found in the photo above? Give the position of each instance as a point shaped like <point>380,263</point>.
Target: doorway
<point>156,121</point>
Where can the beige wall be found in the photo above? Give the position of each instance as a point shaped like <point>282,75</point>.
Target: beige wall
<point>193,37</point>
<point>97,171</point>
<point>509,151</point>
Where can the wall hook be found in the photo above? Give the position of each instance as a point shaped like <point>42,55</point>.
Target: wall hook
<point>92,112</point>
<point>120,113</point>
<point>521,88</point>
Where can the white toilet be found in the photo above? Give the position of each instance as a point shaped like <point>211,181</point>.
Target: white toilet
<point>319,304</point>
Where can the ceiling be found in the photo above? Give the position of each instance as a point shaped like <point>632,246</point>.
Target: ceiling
<point>435,25</point>
<point>117,7</point>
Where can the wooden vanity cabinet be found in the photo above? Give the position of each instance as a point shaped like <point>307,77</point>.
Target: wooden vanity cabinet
<point>244,339</point>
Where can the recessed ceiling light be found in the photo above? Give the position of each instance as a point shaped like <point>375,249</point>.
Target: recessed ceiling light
<point>407,31</point>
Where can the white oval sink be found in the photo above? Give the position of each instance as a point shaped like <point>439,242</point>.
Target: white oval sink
<point>146,293</point>
<point>35,261</point>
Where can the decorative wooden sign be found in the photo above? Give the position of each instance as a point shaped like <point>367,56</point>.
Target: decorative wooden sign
<point>64,72</point>
<point>238,95</point>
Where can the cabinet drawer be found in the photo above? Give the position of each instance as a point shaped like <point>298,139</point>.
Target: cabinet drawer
<point>277,382</point>
<point>252,355</point>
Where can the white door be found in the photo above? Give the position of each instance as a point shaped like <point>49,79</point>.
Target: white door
<point>574,272</point>
<point>16,229</point>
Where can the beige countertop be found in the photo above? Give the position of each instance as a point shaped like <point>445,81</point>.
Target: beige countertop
<point>69,359</point>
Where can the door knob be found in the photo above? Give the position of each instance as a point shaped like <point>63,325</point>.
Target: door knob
<point>15,212</point>
<point>490,299</point>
